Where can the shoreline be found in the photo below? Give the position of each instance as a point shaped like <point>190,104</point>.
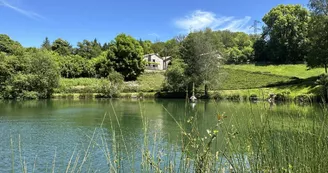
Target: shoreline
<point>220,95</point>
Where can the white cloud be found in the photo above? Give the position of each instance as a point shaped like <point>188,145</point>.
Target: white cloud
<point>29,14</point>
<point>198,20</point>
<point>238,25</point>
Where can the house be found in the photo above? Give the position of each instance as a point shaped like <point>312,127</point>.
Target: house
<point>155,62</point>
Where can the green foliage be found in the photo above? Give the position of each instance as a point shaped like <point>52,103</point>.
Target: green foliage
<point>46,44</point>
<point>286,33</point>
<point>62,47</point>
<point>101,65</point>
<point>89,49</point>
<point>31,75</point>
<point>9,46</point>
<point>158,47</point>
<point>318,35</point>
<point>171,48</point>
<point>75,66</point>
<point>126,57</point>
<point>146,45</point>
<point>319,7</point>
<point>112,86</point>
<point>323,83</point>
<point>202,59</point>
<point>175,74</point>
<point>105,47</point>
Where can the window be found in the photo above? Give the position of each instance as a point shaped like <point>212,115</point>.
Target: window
<point>153,60</point>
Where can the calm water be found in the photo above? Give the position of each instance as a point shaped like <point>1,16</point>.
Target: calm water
<point>45,134</point>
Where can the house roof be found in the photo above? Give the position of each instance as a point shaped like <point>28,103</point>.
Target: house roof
<point>155,54</point>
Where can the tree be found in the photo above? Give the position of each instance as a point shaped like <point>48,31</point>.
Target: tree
<point>171,48</point>
<point>34,74</point>
<point>105,47</point>
<point>9,46</point>
<point>146,45</point>
<point>319,7</point>
<point>62,47</point>
<point>175,76</point>
<point>202,60</point>
<point>46,44</point>
<point>74,66</point>
<point>158,47</point>
<point>88,49</point>
<point>101,65</point>
<point>126,57</point>
<point>318,34</point>
<point>286,33</point>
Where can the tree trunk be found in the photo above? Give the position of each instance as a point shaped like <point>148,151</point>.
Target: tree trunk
<point>326,68</point>
<point>206,91</point>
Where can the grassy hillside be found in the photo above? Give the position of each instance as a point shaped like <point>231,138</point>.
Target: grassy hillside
<point>299,70</point>
<point>242,80</point>
<point>232,79</point>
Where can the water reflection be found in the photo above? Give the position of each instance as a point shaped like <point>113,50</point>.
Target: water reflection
<point>58,127</point>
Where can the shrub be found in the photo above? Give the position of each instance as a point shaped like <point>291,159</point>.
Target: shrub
<point>112,86</point>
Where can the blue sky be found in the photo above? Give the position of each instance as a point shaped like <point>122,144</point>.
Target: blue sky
<point>30,21</point>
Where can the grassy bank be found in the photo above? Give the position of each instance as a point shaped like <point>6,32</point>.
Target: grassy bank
<point>242,81</point>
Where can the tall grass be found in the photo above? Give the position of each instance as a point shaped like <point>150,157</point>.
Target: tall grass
<point>256,142</point>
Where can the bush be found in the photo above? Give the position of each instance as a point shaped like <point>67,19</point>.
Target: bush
<point>32,75</point>
<point>112,86</point>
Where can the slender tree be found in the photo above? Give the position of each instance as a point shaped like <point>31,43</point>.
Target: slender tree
<point>201,58</point>
<point>46,44</point>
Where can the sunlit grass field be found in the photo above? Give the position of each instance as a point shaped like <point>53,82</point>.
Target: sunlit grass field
<point>299,70</point>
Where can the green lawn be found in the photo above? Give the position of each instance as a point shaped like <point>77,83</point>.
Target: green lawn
<point>298,70</point>
<point>232,79</point>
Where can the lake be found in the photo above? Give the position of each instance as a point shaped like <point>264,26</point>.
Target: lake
<point>135,136</point>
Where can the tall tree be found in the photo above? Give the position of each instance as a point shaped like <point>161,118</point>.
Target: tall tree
<point>286,33</point>
<point>126,57</point>
<point>318,34</point>
<point>89,49</point>
<point>201,58</point>
<point>46,44</point>
<point>62,47</point>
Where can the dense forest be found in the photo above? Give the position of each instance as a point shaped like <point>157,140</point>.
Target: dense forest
<point>290,34</point>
